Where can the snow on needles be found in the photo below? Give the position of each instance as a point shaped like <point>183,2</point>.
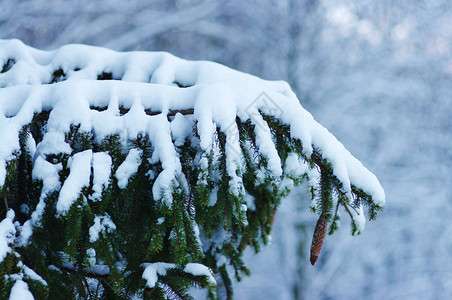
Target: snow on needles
<point>20,291</point>
<point>7,233</point>
<point>101,224</point>
<point>80,166</point>
<point>146,88</point>
<point>128,167</point>
<point>153,270</point>
<point>200,270</point>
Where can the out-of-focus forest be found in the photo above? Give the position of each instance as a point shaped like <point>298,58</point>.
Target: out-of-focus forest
<point>377,74</point>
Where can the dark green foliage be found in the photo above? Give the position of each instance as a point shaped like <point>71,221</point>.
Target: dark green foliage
<point>226,281</point>
<point>363,198</point>
<point>58,75</point>
<point>204,222</point>
<point>336,220</point>
<point>181,85</point>
<point>8,65</point>
<point>8,266</point>
<point>105,76</point>
<point>326,195</point>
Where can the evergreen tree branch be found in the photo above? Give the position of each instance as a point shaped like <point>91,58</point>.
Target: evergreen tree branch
<point>323,164</point>
<point>316,157</point>
<point>169,193</point>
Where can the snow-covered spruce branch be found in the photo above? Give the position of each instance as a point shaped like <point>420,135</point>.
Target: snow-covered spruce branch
<point>134,159</point>
<point>316,158</point>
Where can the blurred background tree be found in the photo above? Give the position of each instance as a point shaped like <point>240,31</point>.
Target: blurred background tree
<point>386,64</point>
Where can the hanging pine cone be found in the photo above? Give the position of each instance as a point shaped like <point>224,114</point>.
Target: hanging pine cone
<point>317,238</point>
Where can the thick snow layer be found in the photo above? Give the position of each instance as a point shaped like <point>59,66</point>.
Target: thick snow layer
<point>200,270</point>
<point>7,233</point>
<point>29,273</point>
<point>295,166</point>
<point>165,152</point>
<point>181,128</point>
<point>101,173</point>
<point>140,103</point>
<point>91,254</point>
<point>129,167</point>
<point>152,270</point>
<point>48,174</point>
<point>20,291</point>
<point>80,166</point>
<point>101,224</point>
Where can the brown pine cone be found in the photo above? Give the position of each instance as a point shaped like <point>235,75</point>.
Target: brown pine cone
<point>317,238</point>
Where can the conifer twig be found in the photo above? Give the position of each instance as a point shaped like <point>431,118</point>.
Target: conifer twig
<point>348,210</point>
<point>336,210</point>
